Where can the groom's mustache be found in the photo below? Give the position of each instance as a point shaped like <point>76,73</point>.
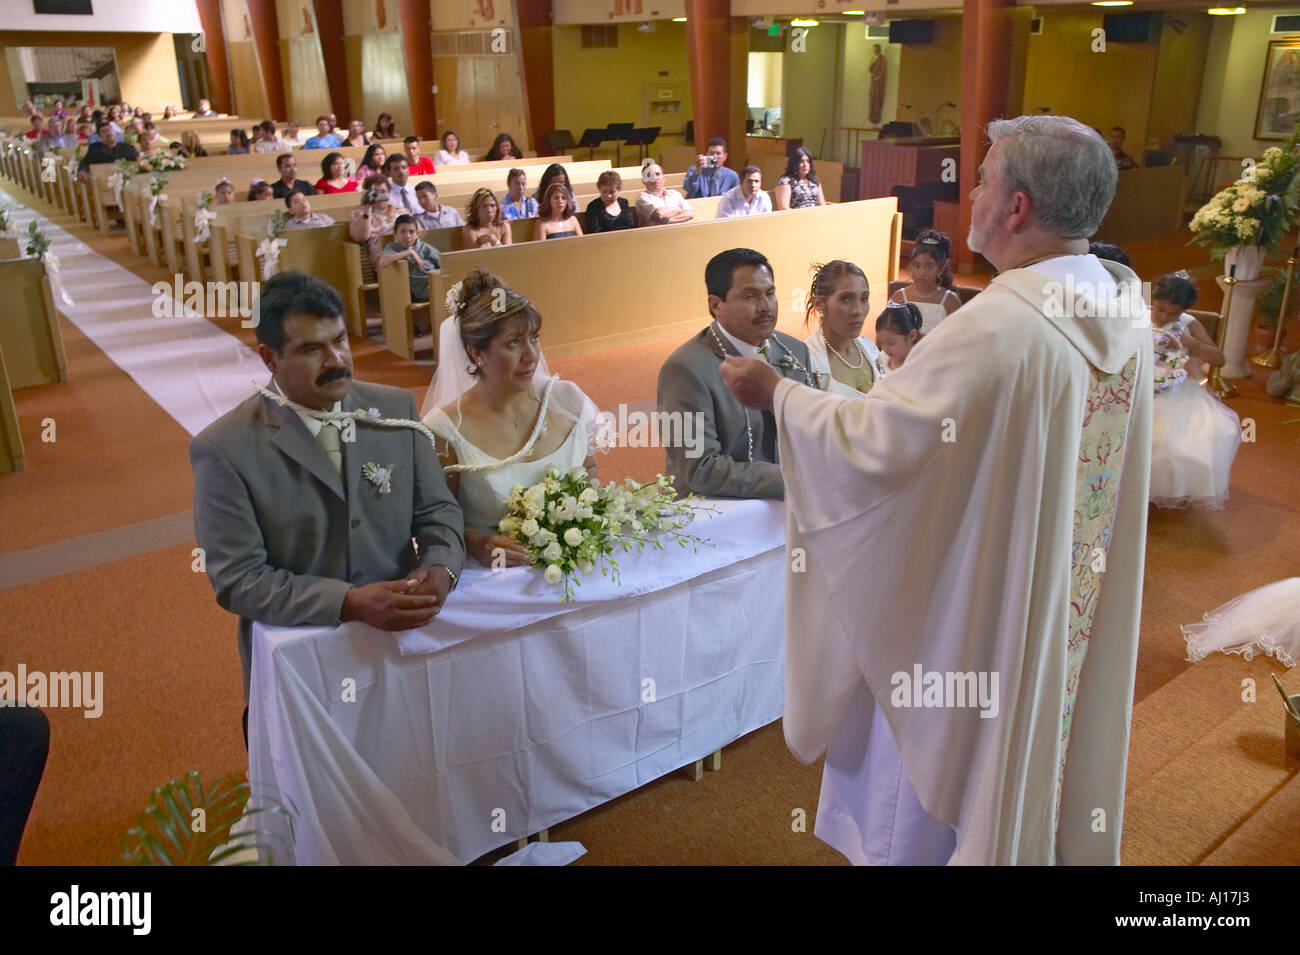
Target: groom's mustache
<point>329,376</point>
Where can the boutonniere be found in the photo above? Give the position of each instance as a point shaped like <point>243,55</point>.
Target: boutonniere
<point>381,478</point>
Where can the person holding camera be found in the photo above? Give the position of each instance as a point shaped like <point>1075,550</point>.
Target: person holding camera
<point>710,175</point>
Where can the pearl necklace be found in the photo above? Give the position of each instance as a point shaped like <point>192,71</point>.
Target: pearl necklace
<point>862,355</point>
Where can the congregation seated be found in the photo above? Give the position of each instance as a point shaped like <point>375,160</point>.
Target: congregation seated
<point>657,204</point>
<point>38,127</point>
<point>738,456</point>
<point>557,217</point>
<point>844,362</point>
<point>746,199</point>
<point>334,177</point>
<point>510,424</point>
<point>502,148</point>
<point>553,173</point>
<point>372,163</point>
<point>149,143</point>
<point>58,136</point>
<point>931,289</point>
<point>710,175</point>
<point>357,134</point>
<point>289,182</point>
<point>300,214</point>
<point>433,214</point>
<point>268,141</point>
<point>294,134</point>
<point>610,212</point>
<point>416,165</point>
<point>107,150</point>
<point>516,205</point>
<point>169,111</point>
<point>205,110</point>
<point>259,190</point>
<point>799,188</point>
<point>485,224</point>
<point>375,218</point>
<point>898,329</point>
<point>385,128</point>
<point>421,258</point>
<point>324,138</point>
<point>451,154</point>
<point>238,143</point>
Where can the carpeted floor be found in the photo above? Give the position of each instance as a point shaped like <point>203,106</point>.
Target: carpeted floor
<point>1208,781</point>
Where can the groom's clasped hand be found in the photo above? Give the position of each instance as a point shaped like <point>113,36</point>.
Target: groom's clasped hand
<point>399,604</point>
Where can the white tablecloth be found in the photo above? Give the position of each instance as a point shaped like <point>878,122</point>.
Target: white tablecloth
<point>446,755</point>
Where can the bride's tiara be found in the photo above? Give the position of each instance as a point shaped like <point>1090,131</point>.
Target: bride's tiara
<point>1181,274</point>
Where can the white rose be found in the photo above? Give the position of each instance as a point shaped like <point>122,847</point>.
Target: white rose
<point>578,474</point>
<point>552,551</point>
<point>589,496</point>
<point>529,527</point>
<point>553,574</point>
<point>573,537</point>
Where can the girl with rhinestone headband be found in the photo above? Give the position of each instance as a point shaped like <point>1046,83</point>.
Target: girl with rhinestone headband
<point>898,329</point>
<point>844,362</point>
<point>931,289</point>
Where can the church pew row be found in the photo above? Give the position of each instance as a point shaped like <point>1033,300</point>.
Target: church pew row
<point>668,290</point>
<point>30,335</point>
<point>11,437</point>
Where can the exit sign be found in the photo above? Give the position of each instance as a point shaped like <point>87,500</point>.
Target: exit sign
<point>774,30</point>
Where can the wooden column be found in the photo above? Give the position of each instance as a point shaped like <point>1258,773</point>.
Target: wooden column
<point>417,49</point>
<point>329,30</point>
<point>214,48</point>
<point>536,67</point>
<point>266,37</point>
<point>991,73</point>
<point>716,47</point>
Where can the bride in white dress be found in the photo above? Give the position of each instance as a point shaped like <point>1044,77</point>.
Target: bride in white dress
<point>844,362</point>
<point>505,429</point>
<point>866,799</point>
<point>1194,436</point>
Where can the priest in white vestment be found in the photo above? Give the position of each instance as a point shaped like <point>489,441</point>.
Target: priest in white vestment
<point>966,543</point>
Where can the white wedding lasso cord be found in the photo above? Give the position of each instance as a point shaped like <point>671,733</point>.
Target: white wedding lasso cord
<point>359,414</point>
<point>538,428</point>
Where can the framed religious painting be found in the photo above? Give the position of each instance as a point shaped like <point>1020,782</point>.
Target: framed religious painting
<point>1279,96</point>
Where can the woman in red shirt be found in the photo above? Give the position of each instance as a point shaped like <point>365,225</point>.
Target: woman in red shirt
<point>334,176</point>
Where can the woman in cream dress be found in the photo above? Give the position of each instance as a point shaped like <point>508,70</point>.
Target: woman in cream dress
<point>845,363</point>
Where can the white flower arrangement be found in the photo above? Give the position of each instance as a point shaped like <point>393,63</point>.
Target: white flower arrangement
<point>1170,360</point>
<point>570,524</point>
<point>1257,209</point>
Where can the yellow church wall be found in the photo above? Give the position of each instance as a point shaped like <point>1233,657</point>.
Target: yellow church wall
<point>1234,72</point>
<point>929,74</point>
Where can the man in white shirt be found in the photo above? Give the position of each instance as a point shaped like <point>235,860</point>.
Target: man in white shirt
<point>400,191</point>
<point>748,198</point>
<point>269,142</point>
<point>432,214</point>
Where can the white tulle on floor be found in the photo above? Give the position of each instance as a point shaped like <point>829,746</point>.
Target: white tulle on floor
<point>1266,620</point>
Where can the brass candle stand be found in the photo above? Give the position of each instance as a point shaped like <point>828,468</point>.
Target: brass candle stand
<point>1272,357</point>
<point>1214,381</point>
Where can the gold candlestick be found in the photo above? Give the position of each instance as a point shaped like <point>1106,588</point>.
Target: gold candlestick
<point>1272,357</point>
<point>1214,381</point>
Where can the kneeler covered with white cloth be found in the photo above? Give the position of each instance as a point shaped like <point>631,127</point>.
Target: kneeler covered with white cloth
<point>977,520</point>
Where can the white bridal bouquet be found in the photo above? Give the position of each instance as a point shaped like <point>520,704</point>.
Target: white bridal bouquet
<point>570,524</point>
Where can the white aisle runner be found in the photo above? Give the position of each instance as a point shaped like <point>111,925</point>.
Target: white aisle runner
<point>190,367</point>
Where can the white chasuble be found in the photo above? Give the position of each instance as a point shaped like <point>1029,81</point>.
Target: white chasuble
<point>966,549</point>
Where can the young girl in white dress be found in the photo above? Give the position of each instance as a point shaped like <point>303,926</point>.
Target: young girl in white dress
<point>1194,436</point>
<point>931,288</point>
<point>844,362</point>
<point>898,329</point>
<point>506,430</point>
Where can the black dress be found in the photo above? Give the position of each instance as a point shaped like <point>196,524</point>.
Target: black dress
<point>598,220</point>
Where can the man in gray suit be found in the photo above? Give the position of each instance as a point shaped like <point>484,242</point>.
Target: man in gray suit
<point>298,519</point>
<point>739,457</point>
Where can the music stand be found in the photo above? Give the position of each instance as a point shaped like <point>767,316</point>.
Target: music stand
<point>618,132</point>
<point>642,138</point>
<point>591,139</point>
<point>559,141</point>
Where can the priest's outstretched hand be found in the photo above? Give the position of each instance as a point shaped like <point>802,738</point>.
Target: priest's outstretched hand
<point>751,380</point>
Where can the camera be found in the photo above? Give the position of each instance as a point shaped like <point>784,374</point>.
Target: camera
<point>713,162</point>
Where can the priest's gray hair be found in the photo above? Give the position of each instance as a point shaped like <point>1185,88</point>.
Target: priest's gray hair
<point>1063,166</point>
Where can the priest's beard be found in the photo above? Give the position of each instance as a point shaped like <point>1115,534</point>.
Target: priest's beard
<point>981,225</point>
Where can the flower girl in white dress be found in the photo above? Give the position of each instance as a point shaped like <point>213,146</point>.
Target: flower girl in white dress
<point>844,362</point>
<point>1194,436</point>
<point>505,429</point>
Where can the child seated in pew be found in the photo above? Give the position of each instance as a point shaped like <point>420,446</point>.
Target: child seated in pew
<point>433,214</point>
<point>259,190</point>
<point>421,257</point>
<point>300,214</point>
<point>1194,436</point>
<point>898,329</point>
<point>931,288</point>
<point>224,192</point>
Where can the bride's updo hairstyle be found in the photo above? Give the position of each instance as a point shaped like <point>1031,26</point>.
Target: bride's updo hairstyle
<point>485,305</point>
<point>825,278</point>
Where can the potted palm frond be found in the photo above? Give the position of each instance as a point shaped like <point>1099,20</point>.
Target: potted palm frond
<point>190,824</point>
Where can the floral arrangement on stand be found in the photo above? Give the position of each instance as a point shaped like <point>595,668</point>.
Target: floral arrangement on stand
<point>162,162</point>
<point>1258,210</point>
<point>571,525</point>
<point>157,183</point>
<point>38,243</point>
<point>202,216</point>
<point>269,249</point>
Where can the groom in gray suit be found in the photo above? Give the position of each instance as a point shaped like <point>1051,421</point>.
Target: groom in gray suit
<point>304,521</point>
<point>739,457</point>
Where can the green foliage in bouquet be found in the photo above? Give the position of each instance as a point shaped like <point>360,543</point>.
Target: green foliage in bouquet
<point>188,824</point>
<point>1257,209</point>
<point>572,525</point>
<point>275,223</point>
<point>38,243</point>
<point>205,198</point>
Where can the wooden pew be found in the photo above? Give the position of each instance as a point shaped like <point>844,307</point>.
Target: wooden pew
<point>30,335</point>
<point>867,232</point>
<point>11,437</point>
